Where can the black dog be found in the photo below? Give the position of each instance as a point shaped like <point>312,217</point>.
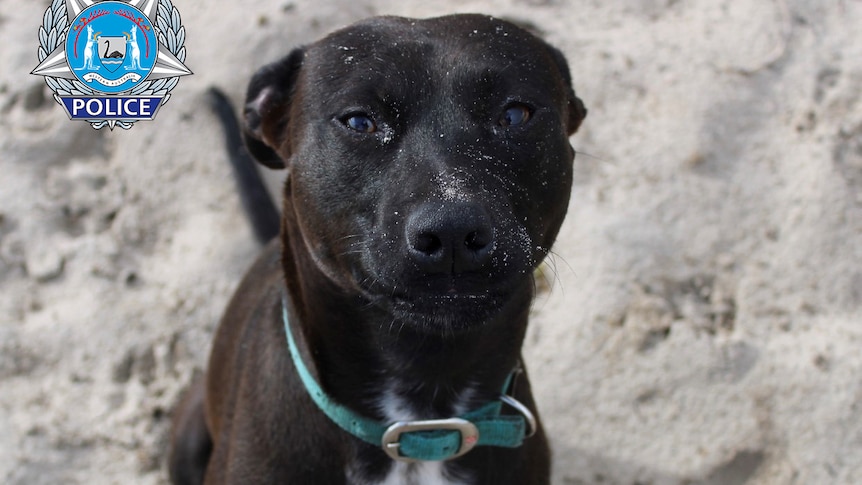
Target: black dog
<point>429,173</point>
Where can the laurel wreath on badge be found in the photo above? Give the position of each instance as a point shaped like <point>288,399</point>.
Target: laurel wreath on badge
<point>170,33</point>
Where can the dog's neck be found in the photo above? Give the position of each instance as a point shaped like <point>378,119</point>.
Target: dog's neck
<point>388,369</point>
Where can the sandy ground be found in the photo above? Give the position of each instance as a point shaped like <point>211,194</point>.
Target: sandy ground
<point>705,319</point>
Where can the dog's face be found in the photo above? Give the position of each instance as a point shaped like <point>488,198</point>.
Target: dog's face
<point>429,162</point>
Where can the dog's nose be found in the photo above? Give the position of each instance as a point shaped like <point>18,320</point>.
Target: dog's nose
<point>452,238</point>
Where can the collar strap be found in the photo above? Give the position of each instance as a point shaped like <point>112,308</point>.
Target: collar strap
<point>428,440</point>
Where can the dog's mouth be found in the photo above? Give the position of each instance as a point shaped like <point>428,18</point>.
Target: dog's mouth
<point>446,305</point>
<point>448,312</point>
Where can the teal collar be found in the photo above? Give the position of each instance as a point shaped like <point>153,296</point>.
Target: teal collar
<point>428,440</point>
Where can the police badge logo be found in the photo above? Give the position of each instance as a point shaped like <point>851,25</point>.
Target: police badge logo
<point>111,62</point>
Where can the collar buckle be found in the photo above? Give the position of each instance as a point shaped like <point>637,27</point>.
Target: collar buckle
<point>390,442</point>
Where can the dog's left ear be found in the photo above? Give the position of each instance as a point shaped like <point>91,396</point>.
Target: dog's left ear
<point>266,117</point>
<point>577,110</point>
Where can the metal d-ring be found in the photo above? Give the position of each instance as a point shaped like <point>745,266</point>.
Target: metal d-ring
<point>528,415</point>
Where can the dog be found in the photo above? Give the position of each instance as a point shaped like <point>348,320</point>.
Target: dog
<point>377,339</point>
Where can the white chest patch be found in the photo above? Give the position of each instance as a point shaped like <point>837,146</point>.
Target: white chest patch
<point>422,473</point>
<point>425,473</point>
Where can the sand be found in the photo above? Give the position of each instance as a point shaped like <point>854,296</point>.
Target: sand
<point>704,317</point>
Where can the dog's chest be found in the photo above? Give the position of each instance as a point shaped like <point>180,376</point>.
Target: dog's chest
<point>426,473</point>
<point>396,408</point>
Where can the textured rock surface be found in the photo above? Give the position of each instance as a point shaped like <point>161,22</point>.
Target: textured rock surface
<point>705,314</point>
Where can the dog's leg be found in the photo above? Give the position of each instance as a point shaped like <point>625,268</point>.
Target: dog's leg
<point>256,201</point>
<point>191,443</point>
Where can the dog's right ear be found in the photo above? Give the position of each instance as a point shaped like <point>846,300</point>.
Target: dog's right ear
<point>267,109</point>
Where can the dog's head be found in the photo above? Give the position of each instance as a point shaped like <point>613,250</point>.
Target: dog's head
<point>429,161</point>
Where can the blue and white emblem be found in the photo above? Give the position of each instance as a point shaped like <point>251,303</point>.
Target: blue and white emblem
<point>111,62</point>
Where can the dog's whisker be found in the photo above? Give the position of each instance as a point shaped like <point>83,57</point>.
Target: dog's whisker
<point>552,280</point>
<point>594,157</point>
<point>349,236</point>
<point>557,256</point>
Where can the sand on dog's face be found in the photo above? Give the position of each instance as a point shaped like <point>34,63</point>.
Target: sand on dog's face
<point>703,322</point>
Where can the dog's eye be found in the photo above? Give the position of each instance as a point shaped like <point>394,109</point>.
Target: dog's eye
<point>360,123</point>
<point>515,115</point>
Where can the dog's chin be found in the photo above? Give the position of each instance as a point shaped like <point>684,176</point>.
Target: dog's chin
<point>446,314</point>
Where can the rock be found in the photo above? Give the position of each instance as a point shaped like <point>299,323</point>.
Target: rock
<point>44,266</point>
